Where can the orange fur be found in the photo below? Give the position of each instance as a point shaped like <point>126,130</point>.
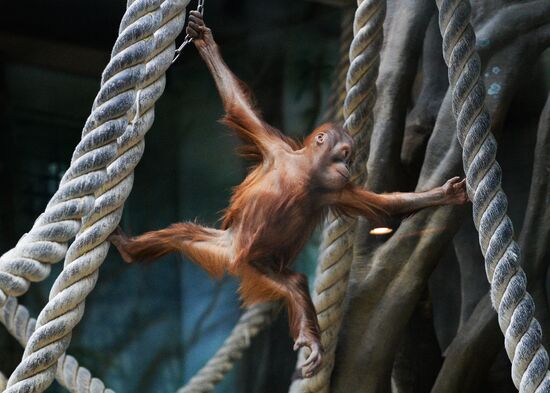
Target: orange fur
<point>274,210</point>
<point>257,287</point>
<point>354,201</point>
<point>270,217</point>
<point>203,246</point>
<point>272,213</point>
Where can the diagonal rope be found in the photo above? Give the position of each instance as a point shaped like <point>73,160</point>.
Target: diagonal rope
<point>335,257</point>
<point>131,83</point>
<point>69,373</point>
<point>252,322</point>
<point>522,332</point>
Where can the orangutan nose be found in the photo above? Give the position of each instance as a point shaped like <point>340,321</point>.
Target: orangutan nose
<point>345,152</point>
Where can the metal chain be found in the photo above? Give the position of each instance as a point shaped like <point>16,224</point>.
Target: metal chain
<point>187,40</point>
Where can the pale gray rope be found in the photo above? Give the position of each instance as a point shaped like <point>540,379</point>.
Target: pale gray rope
<point>46,242</point>
<point>335,104</point>
<point>69,374</point>
<point>335,258</point>
<point>252,322</point>
<point>523,334</point>
<point>135,73</point>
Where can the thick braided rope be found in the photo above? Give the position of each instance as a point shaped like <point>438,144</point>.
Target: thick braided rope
<point>335,257</point>
<point>141,55</point>
<point>46,242</point>
<point>252,322</point>
<point>335,104</point>
<point>523,335</point>
<point>69,374</point>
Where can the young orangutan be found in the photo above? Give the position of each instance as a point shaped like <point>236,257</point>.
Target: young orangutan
<point>274,210</point>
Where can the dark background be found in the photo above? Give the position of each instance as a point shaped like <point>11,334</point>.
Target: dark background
<point>150,328</point>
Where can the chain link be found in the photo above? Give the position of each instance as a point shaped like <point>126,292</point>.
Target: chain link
<point>187,40</point>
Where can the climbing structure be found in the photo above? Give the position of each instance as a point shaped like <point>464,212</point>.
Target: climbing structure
<point>331,281</point>
<point>522,332</point>
<point>89,202</point>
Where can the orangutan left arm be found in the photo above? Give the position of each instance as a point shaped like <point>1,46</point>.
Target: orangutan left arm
<point>358,201</point>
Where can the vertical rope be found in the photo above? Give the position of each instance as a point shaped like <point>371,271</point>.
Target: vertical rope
<point>522,332</point>
<point>335,104</point>
<point>131,83</point>
<point>331,281</point>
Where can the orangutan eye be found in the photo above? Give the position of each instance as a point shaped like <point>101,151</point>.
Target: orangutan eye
<point>320,137</point>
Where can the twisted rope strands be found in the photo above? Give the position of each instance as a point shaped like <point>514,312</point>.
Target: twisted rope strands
<point>334,112</point>
<point>252,322</point>
<point>331,280</point>
<point>46,242</point>
<point>335,104</point>
<point>140,57</point>
<point>522,332</point>
<point>364,57</point>
<point>69,374</point>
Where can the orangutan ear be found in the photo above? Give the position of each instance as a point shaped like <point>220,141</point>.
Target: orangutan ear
<point>320,138</point>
